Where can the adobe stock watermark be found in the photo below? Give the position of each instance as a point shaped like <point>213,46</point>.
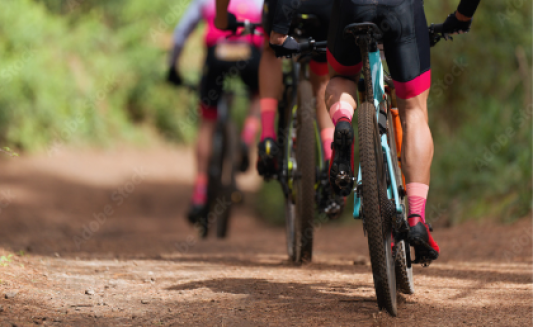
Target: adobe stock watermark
<point>439,86</point>
<point>170,19</point>
<point>118,197</point>
<point>518,244</point>
<point>10,72</point>
<point>221,205</point>
<point>512,9</point>
<point>489,152</point>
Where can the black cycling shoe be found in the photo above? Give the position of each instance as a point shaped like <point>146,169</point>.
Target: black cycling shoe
<point>196,212</point>
<point>245,158</point>
<point>341,167</point>
<point>267,158</point>
<point>329,203</point>
<point>426,249</point>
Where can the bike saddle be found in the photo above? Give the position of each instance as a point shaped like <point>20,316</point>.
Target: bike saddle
<point>364,30</point>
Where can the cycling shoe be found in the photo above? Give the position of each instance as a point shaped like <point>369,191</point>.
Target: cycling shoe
<point>267,158</point>
<point>196,212</point>
<point>426,249</point>
<point>329,203</point>
<point>341,166</point>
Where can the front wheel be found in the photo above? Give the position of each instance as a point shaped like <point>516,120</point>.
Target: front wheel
<point>305,173</point>
<point>375,209</point>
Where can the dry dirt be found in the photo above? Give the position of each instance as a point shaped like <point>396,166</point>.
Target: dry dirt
<point>111,224</point>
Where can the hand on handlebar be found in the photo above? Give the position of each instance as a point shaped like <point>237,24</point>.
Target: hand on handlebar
<point>289,47</point>
<point>173,77</point>
<point>453,24</point>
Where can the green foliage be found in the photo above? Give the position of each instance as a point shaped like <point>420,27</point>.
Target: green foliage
<point>480,111</point>
<point>86,71</point>
<point>4,260</point>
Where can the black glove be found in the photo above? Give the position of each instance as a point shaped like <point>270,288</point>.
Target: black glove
<point>453,25</point>
<point>289,47</point>
<point>173,77</point>
<point>232,23</point>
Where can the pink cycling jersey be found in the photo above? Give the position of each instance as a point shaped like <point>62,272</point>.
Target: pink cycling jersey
<point>206,10</point>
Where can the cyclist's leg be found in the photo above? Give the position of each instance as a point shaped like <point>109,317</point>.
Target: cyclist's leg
<point>249,74</point>
<point>406,45</point>
<point>345,64</point>
<point>210,90</point>
<point>270,88</point>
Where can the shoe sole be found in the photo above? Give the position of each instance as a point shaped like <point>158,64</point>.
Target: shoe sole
<point>341,174</point>
<point>425,254</point>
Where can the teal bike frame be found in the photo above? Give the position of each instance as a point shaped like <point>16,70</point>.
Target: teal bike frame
<point>380,102</point>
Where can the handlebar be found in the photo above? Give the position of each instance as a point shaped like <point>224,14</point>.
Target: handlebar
<point>436,34</point>
<point>312,46</point>
<point>249,28</point>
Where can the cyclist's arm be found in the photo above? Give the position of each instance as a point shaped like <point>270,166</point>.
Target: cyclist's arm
<point>187,24</point>
<point>467,8</point>
<point>283,15</point>
<point>221,19</point>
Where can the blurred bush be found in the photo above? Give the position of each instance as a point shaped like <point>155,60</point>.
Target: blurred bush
<point>90,71</point>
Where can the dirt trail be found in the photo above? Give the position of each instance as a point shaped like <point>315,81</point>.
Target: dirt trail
<point>111,224</point>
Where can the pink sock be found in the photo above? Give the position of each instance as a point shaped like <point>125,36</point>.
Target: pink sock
<point>341,109</point>
<point>251,125</point>
<point>199,194</point>
<point>269,107</point>
<point>327,137</point>
<point>417,194</point>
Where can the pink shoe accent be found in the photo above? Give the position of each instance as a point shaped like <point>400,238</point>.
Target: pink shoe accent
<point>414,87</point>
<point>341,109</point>
<point>340,68</point>
<point>417,194</point>
<point>199,194</point>
<point>251,125</point>
<point>319,68</point>
<point>327,137</point>
<point>269,107</point>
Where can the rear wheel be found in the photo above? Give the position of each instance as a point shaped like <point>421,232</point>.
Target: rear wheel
<point>404,270</point>
<point>221,184</point>
<point>227,191</point>
<point>376,211</point>
<point>305,173</point>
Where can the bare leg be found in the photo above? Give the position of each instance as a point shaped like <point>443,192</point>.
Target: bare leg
<point>270,74</point>
<point>203,145</point>
<point>417,147</point>
<point>319,84</point>
<point>341,89</point>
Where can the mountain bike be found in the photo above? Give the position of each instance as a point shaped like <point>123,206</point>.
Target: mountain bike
<point>299,138</point>
<point>380,191</point>
<point>222,191</point>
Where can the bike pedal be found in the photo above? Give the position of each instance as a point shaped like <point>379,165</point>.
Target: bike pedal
<point>343,180</point>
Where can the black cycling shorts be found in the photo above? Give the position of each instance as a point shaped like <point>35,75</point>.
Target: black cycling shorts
<point>319,8</point>
<point>215,72</point>
<point>405,41</point>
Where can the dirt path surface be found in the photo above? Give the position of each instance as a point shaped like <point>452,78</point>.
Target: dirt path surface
<point>104,242</point>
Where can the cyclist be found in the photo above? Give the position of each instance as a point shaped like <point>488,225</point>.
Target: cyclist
<point>224,57</point>
<point>277,18</point>
<point>406,45</point>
